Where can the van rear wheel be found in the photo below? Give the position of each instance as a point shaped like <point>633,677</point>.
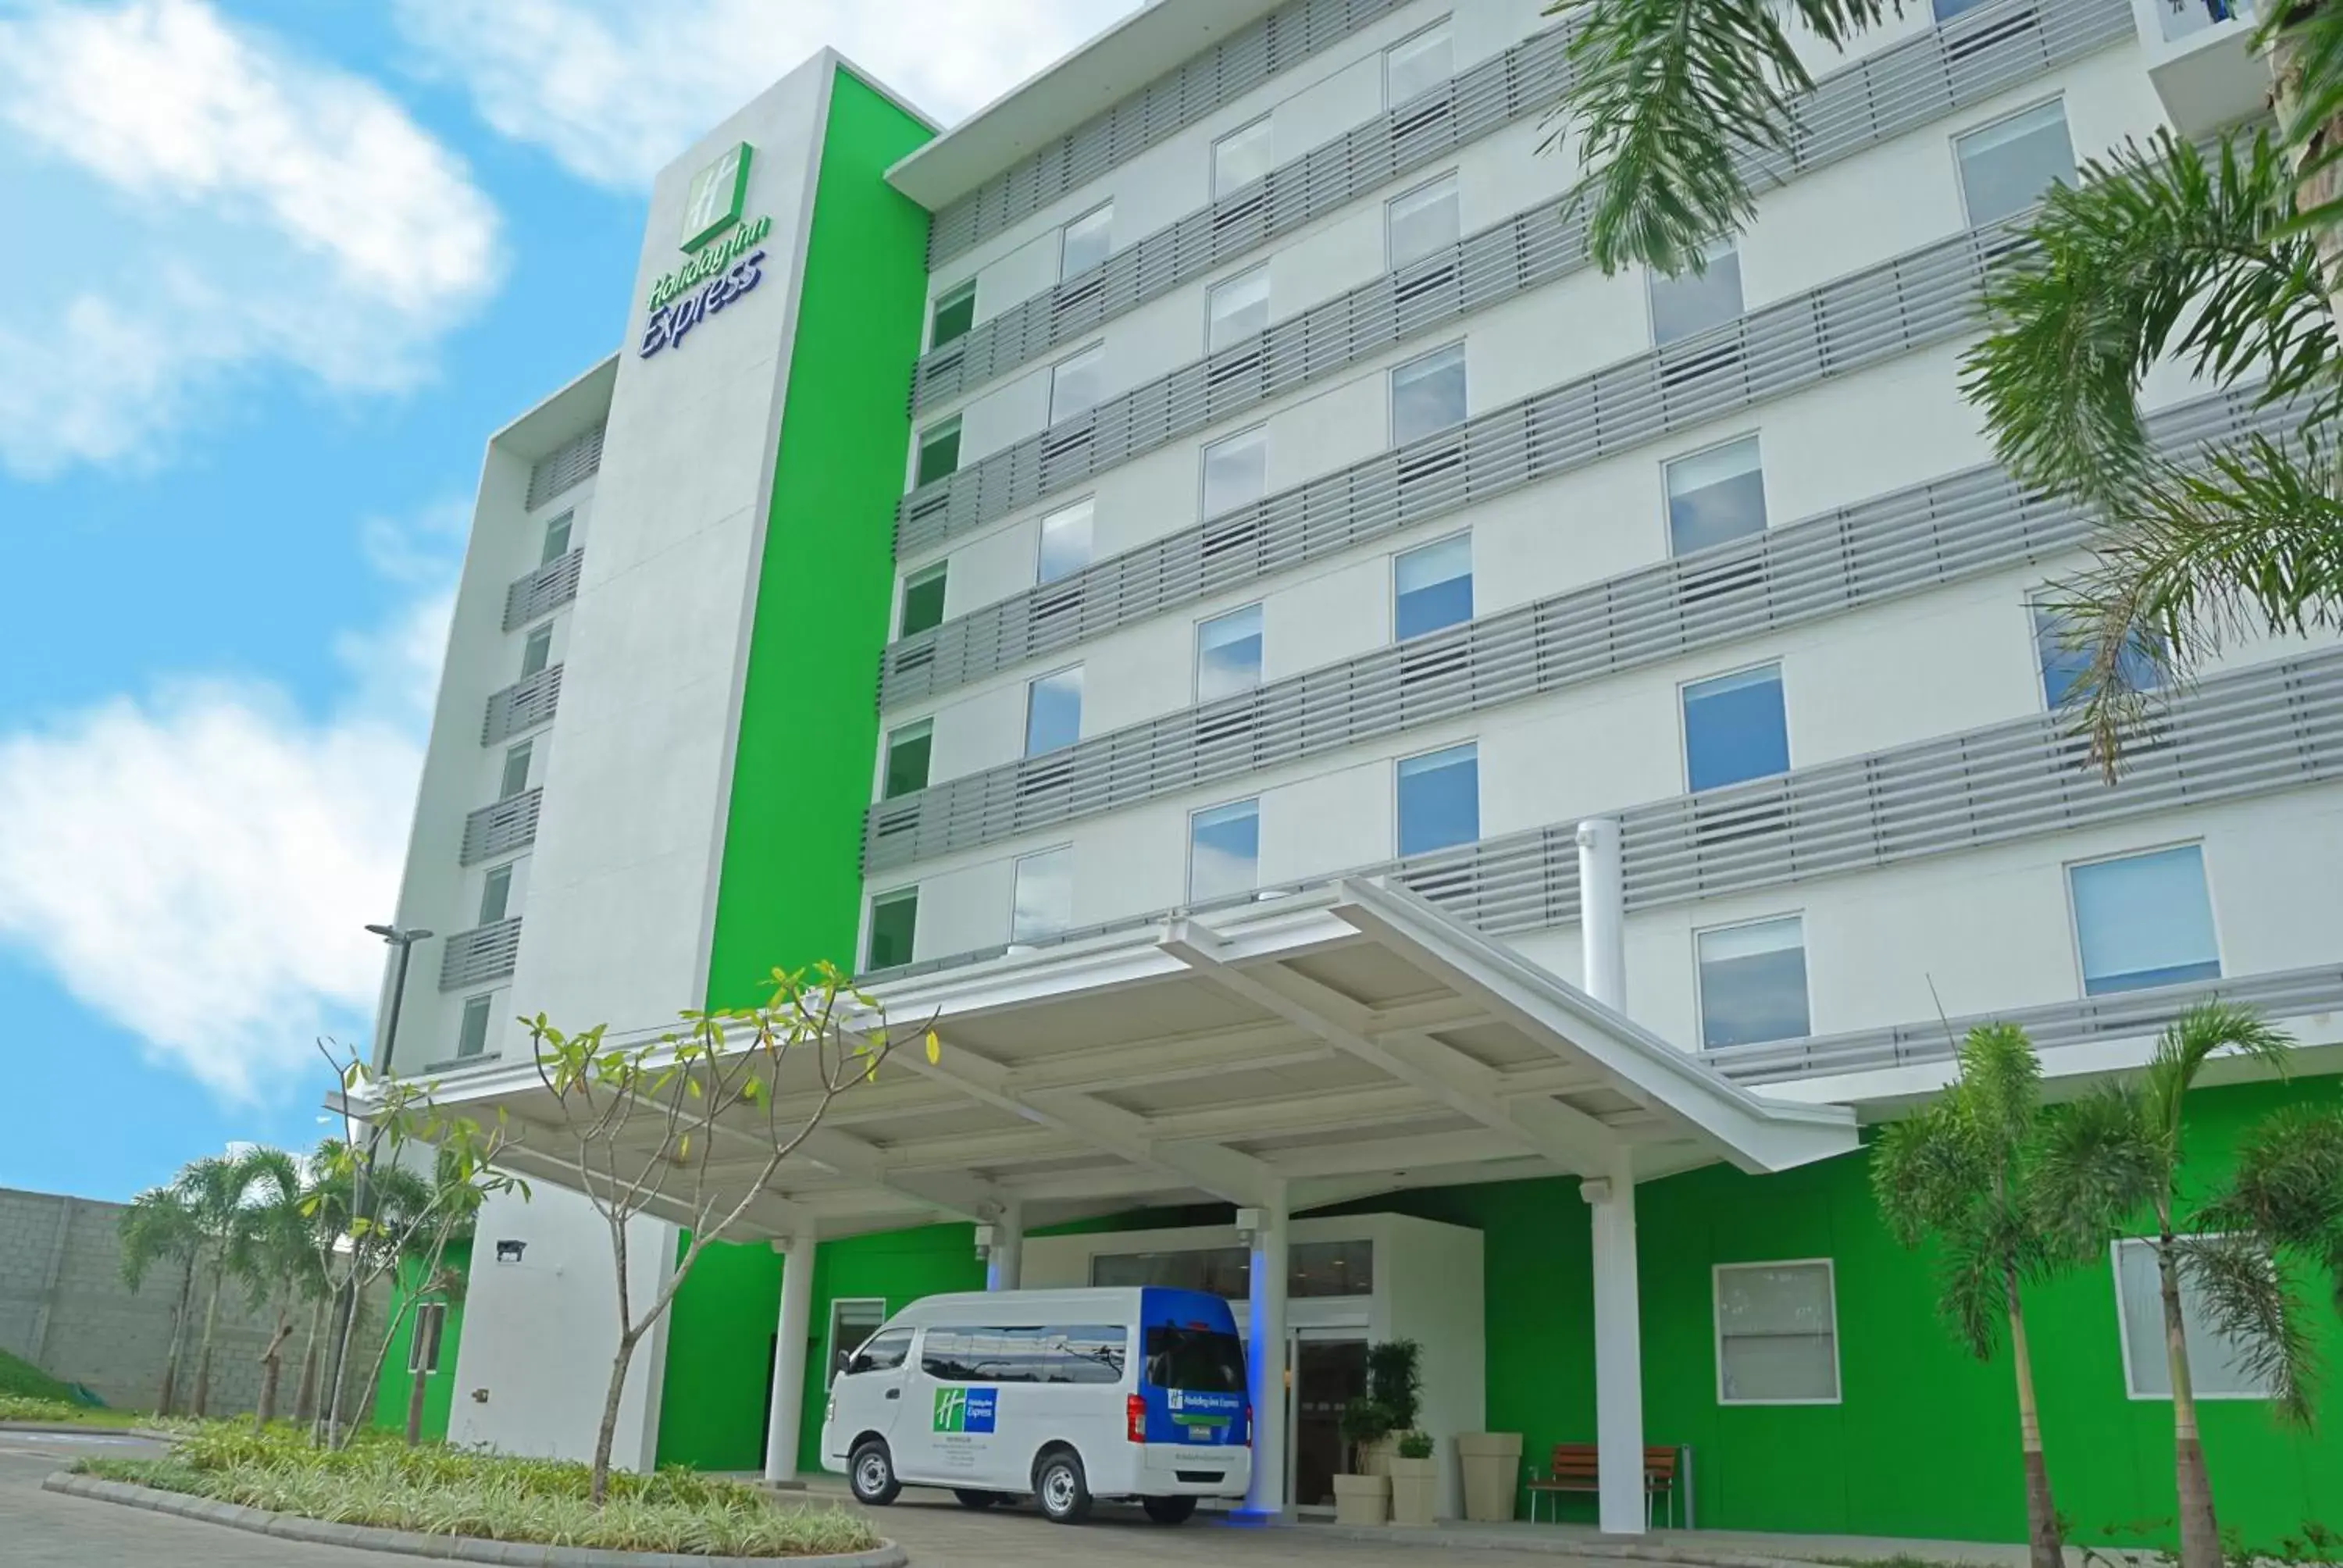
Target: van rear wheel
<point>1169,1510</point>
<point>975,1499</point>
<point>1060,1488</point>
<point>871,1473</point>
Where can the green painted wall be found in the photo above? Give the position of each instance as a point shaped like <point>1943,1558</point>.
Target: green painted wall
<point>439,1387</point>
<point>898,1267</point>
<point>1924,1442</point>
<point>791,889</point>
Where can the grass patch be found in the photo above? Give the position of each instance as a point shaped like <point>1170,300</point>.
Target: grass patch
<point>62,1412</point>
<point>438,1491</point>
<point>20,1379</point>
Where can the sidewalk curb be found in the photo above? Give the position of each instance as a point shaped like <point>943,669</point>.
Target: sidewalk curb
<point>1561,1546</point>
<point>458,1548</point>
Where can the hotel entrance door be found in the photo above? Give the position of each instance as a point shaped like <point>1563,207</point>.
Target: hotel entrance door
<point>1329,1372</point>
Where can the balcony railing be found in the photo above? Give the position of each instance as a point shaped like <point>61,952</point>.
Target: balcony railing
<point>480,955</point>
<point>500,828</point>
<point>524,705</point>
<point>544,590</point>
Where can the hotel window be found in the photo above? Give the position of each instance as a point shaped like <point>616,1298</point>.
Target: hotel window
<point>472,1033</point>
<point>423,1337</point>
<point>1044,897</point>
<point>556,539</point>
<point>1424,222</point>
<point>2006,167</point>
<point>1053,711</point>
<point>1734,729</point>
<point>2218,1367</point>
<point>955,314</point>
<point>924,600</point>
<point>1693,302</point>
<point>1427,395</point>
<point>2063,665</point>
<point>1228,654</point>
<point>2144,920</point>
<point>1752,982</point>
<point>1088,241</point>
<point>1439,799</point>
<point>1237,309</point>
<point>1716,497</point>
<point>1241,156</point>
<point>1413,66</point>
<point>496,895</point>
<point>1225,852</point>
<point>1432,586</point>
<point>1236,471</point>
<point>908,750</point>
<point>940,451</point>
<point>894,925</point>
<point>536,652</point>
<point>516,774</point>
<point>1776,1333</point>
<point>1065,542</point>
<point>1077,385</point>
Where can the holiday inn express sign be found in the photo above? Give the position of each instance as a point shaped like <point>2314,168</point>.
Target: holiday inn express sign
<point>725,258</point>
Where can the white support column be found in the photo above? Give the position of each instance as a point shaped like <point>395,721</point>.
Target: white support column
<point>1265,1351</point>
<point>1004,1249</point>
<point>789,1359</point>
<point>1618,1350</point>
<point>1602,912</point>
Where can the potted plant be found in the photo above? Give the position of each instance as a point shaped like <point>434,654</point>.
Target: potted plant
<point>1362,1497</point>
<point>1394,1383</point>
<point>1414,1480</point>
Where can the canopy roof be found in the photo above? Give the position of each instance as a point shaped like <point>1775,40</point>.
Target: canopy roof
<point>1302,1050</point>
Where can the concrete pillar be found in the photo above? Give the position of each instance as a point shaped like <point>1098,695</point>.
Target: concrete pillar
<point>789,1359</point>
<point>1602,912</point>
<point>1004,1250</point>
<point>1618,1350</point>
<point>1265,1349</point>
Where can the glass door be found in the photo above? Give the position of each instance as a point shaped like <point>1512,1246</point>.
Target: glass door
<point>1330,1371</point>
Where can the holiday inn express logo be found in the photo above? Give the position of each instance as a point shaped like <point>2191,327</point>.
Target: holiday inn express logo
<point>713,203</point>
<point>723,253</point>
<point>967,1409</point>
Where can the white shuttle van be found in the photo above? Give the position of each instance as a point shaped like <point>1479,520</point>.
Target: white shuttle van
<point>1069,1395</point>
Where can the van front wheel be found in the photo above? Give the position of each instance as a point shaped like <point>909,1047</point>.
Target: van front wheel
<point>1060,1488</point>
<point>871,1473</point>
<point>1169,1510</point>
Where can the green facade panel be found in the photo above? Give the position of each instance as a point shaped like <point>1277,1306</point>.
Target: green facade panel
<point>391,1393</point>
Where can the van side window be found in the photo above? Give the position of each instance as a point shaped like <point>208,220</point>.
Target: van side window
<point>881,1353</point>
<point>1050,1353</point>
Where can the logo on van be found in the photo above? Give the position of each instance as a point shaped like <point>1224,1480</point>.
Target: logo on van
<point>971,1410</point>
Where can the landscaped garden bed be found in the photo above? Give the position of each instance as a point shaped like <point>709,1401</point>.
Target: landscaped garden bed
<point>434,1490</point>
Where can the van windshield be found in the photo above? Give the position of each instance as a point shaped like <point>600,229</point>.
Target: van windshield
<point>1194,1358</point>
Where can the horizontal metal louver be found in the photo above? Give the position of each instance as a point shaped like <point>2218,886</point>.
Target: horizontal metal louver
<point>570,463</point>
<point>1163,109</point>
<point>1964,525</point>
<point>544,590</point>
<point>480,955</point>
<point>524,705</point>
<point>499,828</point>
<point>2252,732</point>
<point>1896,90</point>
<point>2280,994</point>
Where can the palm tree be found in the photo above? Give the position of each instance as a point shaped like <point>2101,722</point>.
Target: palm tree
<point>159,1227</point>
<point>276,1257</point>
<point>2116,1157</point>
<point>2232,261</point>
<point>1962,1171</point>
<point>217,1189</point>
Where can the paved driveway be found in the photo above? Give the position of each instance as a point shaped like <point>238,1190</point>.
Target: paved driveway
<point>42,1530</point>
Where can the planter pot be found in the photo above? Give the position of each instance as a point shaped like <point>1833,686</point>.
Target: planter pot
<point>1493,1472</point>
<point>1374,1458</point>
<point>1414,1490</point>
<point>1362,1499</point>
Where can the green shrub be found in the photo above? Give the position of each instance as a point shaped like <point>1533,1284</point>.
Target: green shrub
<point>438,1490</point>
<point>1415,1445</point>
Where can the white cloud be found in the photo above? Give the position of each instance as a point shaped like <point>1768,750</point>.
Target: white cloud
<point>615,89</point>
<point>214,202</point>
<point>196,864</point>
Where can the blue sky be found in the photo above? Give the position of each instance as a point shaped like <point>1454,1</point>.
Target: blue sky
<point>273,271</point>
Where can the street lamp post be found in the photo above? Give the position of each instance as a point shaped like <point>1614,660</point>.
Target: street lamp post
<point>402,940</point>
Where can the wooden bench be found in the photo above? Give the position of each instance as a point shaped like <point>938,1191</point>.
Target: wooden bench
<point>1573,1469</point>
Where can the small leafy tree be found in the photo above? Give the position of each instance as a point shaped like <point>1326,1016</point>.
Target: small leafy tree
<point>645,1123</point>
<point>1962,1171</point>
<point>159,1227</point>
<point>2117,1158</point>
